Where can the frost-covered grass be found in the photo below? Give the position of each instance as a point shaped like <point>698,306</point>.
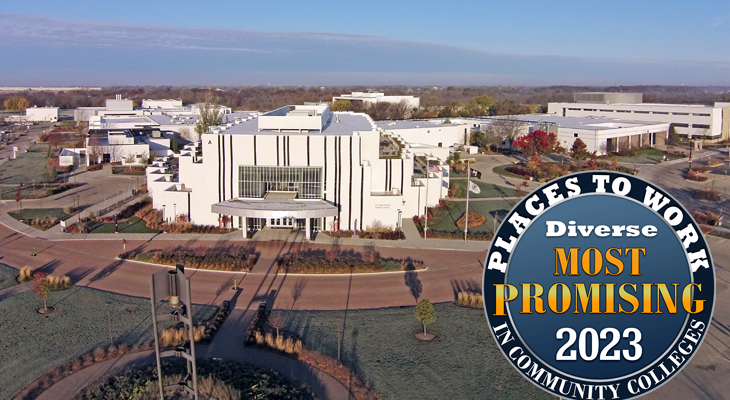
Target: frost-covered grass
<point>31,343</point>
<point>463,362</point>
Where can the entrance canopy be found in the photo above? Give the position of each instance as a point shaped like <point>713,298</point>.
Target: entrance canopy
<point>276,205</point>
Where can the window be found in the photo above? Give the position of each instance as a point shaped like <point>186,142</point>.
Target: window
<point>680,113</point>
<point>681,125</point>
<point>623,111</point>
<point>660,112</point>
<point>641,112</point>
<point>255,181</point>
<point>575,135</point>
<point>703,115</point>
<point>701,126</point>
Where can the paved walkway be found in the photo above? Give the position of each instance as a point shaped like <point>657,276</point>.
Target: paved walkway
<point>227,345</point>
<point>15,290</point>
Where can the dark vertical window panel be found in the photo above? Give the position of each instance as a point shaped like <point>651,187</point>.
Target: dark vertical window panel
<point>219,168</point>
<point>402,172</point>
<point>254,150</point>
<point>324,139</point>
<point>230,153</point>
<point>307,150</point>
<point>277,151</point>
<point>349,218</point>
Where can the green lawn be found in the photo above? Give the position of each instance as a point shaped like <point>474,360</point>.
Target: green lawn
<point>446,221</point>
<point>32,343</point>
<point>132,225</point>
<point>643,156</point>
<point>32,213</point>
<point>28,167</point>
<point>7,276</point>
<point>463,362</point>
<point>488,190</point>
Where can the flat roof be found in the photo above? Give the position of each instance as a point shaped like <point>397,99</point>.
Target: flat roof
<point>408,124</point>
<point>276,205</point>
<point>341,124</point>
<point>597,123</point>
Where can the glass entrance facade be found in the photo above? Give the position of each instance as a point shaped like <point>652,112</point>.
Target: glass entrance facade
<point>255,181</point>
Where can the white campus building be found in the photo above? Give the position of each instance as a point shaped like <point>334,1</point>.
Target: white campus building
<point>372,98</point>
<point>119,107</point>
<point>41,114</point>
<point>305,167</point>
<point>708,121</point>
<point>601,135</point>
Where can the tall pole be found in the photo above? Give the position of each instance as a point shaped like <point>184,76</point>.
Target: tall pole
<point>468,189</point>
<point>425,228</point>
<point>690,151</point>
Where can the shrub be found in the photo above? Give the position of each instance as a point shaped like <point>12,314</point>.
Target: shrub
<point>709,195</point>
<point>469,299</point>
<point>26,274</point>
<point>95,167</point>
<point>335,261</point>
<point>696,176</point>
<point>707,217</point>
<point>232,258</point>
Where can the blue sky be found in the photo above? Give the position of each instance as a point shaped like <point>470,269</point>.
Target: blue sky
<point>374,42</point>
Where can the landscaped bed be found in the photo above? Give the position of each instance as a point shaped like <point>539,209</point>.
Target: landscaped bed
<point>33,343</point>
<point>463,362</point>
<point>232,380</point>
<point>40,218</point>
<point>442,223</point>
<point>335,261</point>
<point>228,258</point>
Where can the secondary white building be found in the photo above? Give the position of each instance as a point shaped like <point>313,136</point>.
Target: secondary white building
<point>688,119</point>
<point>119,107</point>
<point>41,114</point>
<point>601,135</point>
<point>302,167</point>
<point>371,98</point>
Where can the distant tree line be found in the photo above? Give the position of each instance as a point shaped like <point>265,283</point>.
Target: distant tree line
<point>443,102</point>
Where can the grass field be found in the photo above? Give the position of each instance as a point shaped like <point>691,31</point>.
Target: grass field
<point>132,225</point>
<point>32,213</point>
<point>485,208</point>
<point>32,343</point>
<point>487,190</point>
<point>463,362</point>
<point>7,276</point>
<point>28,168</point>
<point>643,156</point>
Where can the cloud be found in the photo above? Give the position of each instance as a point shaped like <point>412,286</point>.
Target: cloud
<point>85,52</point>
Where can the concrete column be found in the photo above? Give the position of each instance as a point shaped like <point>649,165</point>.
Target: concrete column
<point>244,228</point>
<point>307,229</point>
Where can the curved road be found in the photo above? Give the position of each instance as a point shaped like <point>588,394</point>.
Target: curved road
<point>92,263</point>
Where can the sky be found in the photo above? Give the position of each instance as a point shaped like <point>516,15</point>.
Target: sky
<point>517,42</point>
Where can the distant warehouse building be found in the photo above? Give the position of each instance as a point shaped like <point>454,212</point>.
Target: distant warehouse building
<point>372,98</point>
<point>41,114</point>
<point>705,121</point>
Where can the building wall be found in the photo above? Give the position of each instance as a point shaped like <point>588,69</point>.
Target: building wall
<point>366,188</point>
<point>41,114</point>
<point>688,119</point>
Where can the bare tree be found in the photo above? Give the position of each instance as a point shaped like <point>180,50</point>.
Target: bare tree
<point>502,129</point>
<point>276,321</point>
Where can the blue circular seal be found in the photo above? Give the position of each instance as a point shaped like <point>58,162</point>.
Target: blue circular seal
<point>599,285</point>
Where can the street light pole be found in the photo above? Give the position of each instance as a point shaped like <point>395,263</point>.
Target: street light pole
<point>691,145</point>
